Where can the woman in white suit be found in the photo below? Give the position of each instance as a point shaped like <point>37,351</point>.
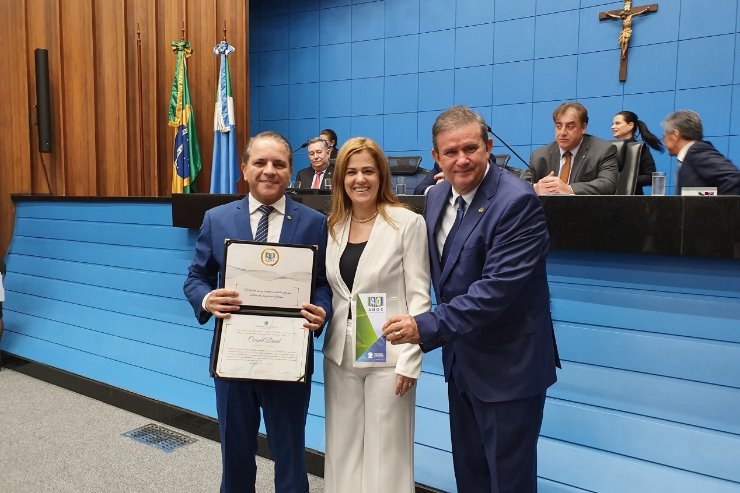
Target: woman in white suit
<point>376,245</point>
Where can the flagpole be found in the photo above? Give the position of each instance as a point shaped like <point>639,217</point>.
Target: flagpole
<point>184,18</point>
<point>141,109</point>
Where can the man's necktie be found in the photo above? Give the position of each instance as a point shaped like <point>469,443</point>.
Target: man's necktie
<point>316,180</point>
<point>451,236</point>
<point>261,234</point>
<point>565,172</point>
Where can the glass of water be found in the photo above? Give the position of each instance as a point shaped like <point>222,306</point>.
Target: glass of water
<point>327,183</point>
<point>401,185</point>
<point>658,183</point>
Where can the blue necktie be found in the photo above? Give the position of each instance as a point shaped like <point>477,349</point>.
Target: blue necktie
<point>451,236</point>
<point>261,234</point>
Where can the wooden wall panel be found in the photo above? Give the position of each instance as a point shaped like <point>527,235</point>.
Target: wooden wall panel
<point>143,147</point>
<point>42,32</point>
<point>15,125</point>
<point>110,137</point>
<point>111,111</point>
<point>78,93</point>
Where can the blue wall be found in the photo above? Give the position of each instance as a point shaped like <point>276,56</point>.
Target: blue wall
<point>385,69</point>
<point>647,399</point>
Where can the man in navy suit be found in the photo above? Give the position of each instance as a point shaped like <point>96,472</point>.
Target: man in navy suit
<point>488,245</point>
<point>701,165</point>
<point>267,166</point>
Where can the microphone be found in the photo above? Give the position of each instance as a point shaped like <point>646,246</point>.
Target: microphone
<point>490,131</point>
<point>305,144</point>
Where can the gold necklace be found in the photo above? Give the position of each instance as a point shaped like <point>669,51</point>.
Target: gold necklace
<point>365,220</point>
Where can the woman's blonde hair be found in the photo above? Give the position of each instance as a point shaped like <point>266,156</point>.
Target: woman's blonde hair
<point>341,205</point>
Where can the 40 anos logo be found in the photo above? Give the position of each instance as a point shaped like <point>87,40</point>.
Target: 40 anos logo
<point>375,303</point>
<point>270,257</point>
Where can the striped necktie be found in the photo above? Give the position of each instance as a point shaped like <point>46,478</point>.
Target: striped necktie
<point>261,234</point>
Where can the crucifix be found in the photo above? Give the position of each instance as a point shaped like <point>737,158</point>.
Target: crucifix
<point>626,15</point>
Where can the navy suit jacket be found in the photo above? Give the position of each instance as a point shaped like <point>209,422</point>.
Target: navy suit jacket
<point>301,225</point>
<point>704,166</point>
<point>493,313</point>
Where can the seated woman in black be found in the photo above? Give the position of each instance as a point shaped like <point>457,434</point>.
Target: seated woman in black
<point>625,126</point>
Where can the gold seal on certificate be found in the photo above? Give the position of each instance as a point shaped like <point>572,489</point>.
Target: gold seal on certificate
<point>265,339</point>
<point>270,257</point>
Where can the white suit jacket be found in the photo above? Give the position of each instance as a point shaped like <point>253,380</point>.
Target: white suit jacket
<point>395,261</point>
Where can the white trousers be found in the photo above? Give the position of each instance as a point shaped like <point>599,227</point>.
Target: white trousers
<point>369,429</point>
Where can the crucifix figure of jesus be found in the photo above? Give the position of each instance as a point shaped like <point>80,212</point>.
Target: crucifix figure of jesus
<point>626,15</point>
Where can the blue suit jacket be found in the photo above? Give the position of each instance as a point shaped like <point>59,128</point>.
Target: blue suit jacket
<point>704,166</point>
<point>493,313</point>
<point>301,225</point>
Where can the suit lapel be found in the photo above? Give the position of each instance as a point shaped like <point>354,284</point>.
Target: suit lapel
<point>290,221</point>
<point>242,227</point>
<point>580,158</point>
<point>473,215</point>
<point>554,161</point>
<point>343,237</point>
<point>434,207</point>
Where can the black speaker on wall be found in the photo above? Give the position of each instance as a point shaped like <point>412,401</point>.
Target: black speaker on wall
<point>43,99</point>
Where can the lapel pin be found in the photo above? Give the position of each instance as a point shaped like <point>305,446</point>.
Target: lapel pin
<point>289,218</point>
<point>481,210</point>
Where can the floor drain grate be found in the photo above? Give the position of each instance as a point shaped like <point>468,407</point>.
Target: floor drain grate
<point>160,437</point>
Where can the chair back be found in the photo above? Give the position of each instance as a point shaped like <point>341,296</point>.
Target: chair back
<point>502,160</point>
<point>407,167</point>
<point>628,159</point>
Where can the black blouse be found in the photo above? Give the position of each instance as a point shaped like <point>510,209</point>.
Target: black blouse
<point>348,265</point>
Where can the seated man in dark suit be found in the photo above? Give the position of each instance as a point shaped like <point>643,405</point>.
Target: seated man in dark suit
<point>315,175</point>
<point>576,163</point>
<point>430,179</point>
<point>700,164</point>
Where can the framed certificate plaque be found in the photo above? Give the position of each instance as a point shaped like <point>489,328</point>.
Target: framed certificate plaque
<point>265,339</point>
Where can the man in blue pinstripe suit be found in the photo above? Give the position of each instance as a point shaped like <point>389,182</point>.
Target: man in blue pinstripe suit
<point>265,214</point>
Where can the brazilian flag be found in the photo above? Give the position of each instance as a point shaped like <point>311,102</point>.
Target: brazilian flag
<point>186,160</point>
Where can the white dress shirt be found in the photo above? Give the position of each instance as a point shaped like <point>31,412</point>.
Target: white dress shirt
<point>448,219</point>
<point>274,222</point>
<point>274,225</point>
<point>684,150</point>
